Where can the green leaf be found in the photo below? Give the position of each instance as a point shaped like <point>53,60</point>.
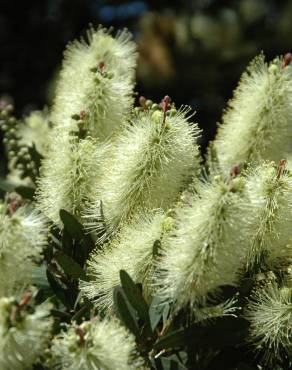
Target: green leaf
<point>166,312</point>
<point>57,288</point>
<point>171,363</point>
<point>39,277</point>
<point>26,192</point>
<point>124,312</point>
<point>225,332</point>
<point>155,311</point>
<point>69,266</point>
<point>64,316</point>
<point>135,298</point>
<point>67,242</point>
<point>70,223</point>
<point>170,340</point>
<point>76,231</point>
<point>81,312</point>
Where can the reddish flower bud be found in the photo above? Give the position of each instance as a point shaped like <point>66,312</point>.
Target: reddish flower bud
<point>25,299</point>
<point>286,60</point>
<point>235,170</point>
<point>101,66</point>
<point>81,333</point>
<point>82,114</point>
<point>142,102</point>
<point>281,167</point>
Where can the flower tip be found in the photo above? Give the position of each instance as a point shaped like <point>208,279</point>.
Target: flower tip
<point>281,167</point>
<point>235,170</point>
<point>286,60</point>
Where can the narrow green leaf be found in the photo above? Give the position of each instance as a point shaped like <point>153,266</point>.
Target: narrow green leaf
<point>69,266</point>
<point>76,231</point>
<point>171,364</point>
<point>155,312</point>
<point>61,314</point>
<point>39,277</point>
<point>81,312</point>
<point>136,300</point>
<point>124,311</point>
<point>225,332</point>
<point>59,291</point>
<point>71,224</point>
<point>174,339</point>
<point>67,242</point>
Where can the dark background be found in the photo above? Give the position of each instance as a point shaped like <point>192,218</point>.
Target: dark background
<point>194,51</point>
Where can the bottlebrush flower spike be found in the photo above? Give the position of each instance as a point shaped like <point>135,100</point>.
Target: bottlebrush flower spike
<point>257,123</point>
<point>269,311</point>
<point>96,83</point>
<point>69,176</point>
<point>35,130</point>
<point>148,164</point>
<point>206,247</point>
<point>131,251</point>
<point>23,235</point>
<point>270,192</point>
<point>93,97</point>
<point>94,345</point>
<point>24,332</point>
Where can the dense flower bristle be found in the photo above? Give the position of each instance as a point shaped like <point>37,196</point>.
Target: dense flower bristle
<point>269,311</point>
<point>207,245</point>
<point>131,251</point>
<point>96,345</point>
<point>23,235</point>
<point>147,166</point>
<point>24,334</point>
<point>256,124</point>
<point>96,79</point>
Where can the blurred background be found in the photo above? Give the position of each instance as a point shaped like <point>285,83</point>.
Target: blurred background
<point>192,50</point>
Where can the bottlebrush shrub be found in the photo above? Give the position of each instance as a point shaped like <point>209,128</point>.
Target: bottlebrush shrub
<point>119,249</point>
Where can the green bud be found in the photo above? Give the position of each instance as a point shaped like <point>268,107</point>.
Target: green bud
<point>155,106</point>
<point>12,120</point>
<point>148,103</point>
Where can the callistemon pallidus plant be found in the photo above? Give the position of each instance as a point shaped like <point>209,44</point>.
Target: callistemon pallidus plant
<point>121,248</point>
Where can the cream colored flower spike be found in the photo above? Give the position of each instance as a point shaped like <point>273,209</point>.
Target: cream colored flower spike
<point>23,235</point>
<point>24,332</point>
<point>147,166</point>
<point>131,251</point>
<point>96,83</point>
<point>269,311</point>
<point>257,123</point>
<point>206,247</point>
<point>96,344</point>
